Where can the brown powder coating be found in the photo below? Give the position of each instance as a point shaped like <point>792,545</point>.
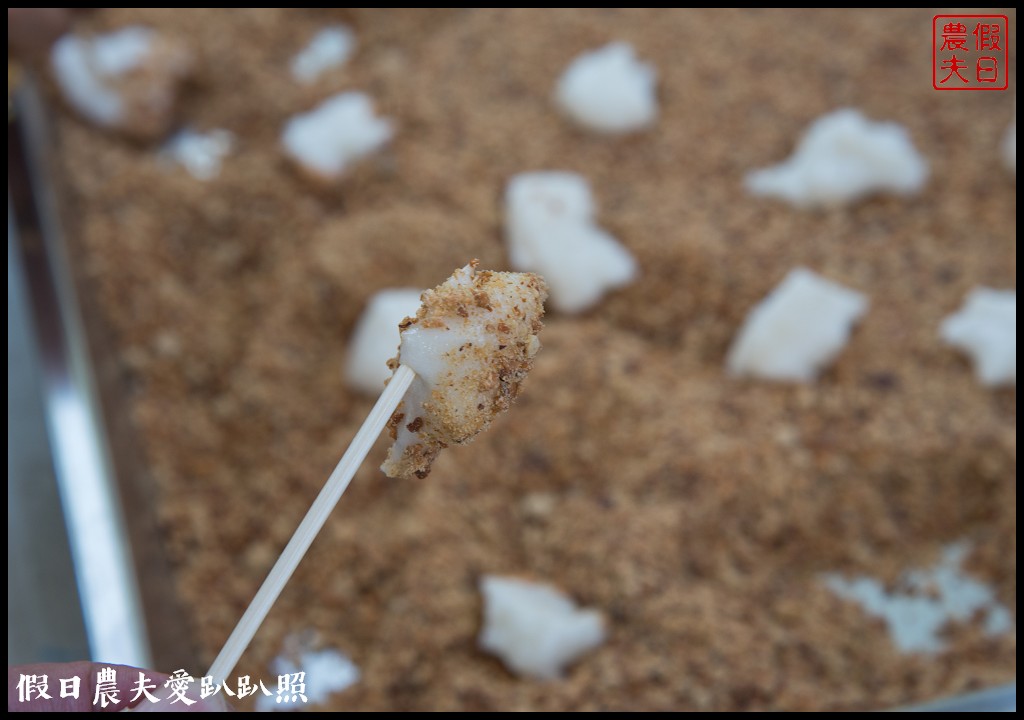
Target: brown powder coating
<point>481,377</point>
<point>696,511</point>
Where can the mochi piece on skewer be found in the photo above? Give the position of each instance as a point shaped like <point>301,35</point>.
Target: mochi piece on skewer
<point>461,361</point>
<point>471,345</point>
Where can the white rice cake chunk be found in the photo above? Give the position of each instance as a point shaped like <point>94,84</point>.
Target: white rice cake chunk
<point>550,229</point>
<point>201,154</point>
<point>329,49</point>
<point>127,80</point>
<point>535,629</point>
<point>841,158</point>
<point>328,139</point>
<point>986,329</point>
<point>797,330</point>
<point>608,90</point>
<point>327,671</point>
<point>376,337</point>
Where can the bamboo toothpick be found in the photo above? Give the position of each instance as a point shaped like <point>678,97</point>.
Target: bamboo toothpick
<point>318,513</point>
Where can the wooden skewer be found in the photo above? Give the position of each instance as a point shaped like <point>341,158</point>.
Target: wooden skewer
<point>332,491</point>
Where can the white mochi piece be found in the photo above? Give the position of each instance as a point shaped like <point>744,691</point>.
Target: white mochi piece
<point>376,337</point>
<point>327,671</point>
<point>609,90</point>
<point>126,80</point>
<point>342,130</point>
<point>200,153</point>
<point>85,69</point>
<point>797,330</point>
<point>925,601</point>
<point>986,329</point>
<point>1010,147</point>
<point>841,158</point>
<point>550,229</point>
<point>534,628</point>
<point>330,48</point>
